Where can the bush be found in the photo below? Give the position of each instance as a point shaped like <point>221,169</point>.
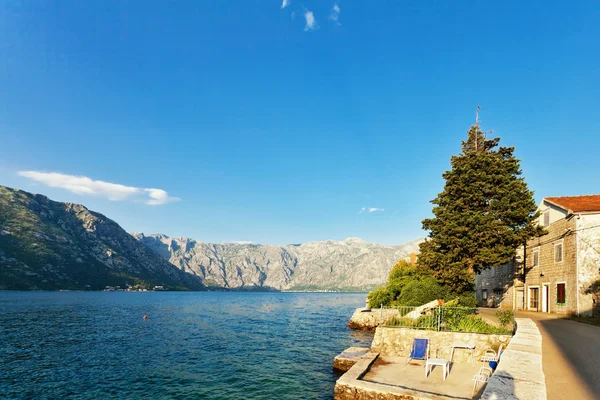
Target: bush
<point>380,296</point>
<point>423,322</point>
<point>468,300</point>
<point>505,317</point>
<point>452,316</point>
<point>422,291</point>
<point>471,323</point>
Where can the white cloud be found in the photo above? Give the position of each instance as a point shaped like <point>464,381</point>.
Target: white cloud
<point>370,210</point>
<point>335,13</point>
<point>285,3</point>
<point>85,186</point>
<point>239,242</point>
<point>310,21</point>
<point>158,197</point>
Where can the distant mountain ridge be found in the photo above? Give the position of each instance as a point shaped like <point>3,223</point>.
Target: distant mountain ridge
<point>50,245</point>
<point>352,264</point>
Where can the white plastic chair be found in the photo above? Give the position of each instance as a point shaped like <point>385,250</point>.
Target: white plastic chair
<point>491,355</point>
<point>481,377</point>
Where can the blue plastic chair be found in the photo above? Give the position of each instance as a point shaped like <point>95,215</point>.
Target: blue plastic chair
<point>419,351</point>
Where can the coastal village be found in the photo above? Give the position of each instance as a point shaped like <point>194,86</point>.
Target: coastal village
<point>300,200</point>
<point>551,284</point>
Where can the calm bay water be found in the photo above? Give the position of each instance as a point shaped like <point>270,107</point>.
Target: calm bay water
<point>192,345</point>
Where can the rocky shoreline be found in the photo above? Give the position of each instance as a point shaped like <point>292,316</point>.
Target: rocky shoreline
<point>368,319</point>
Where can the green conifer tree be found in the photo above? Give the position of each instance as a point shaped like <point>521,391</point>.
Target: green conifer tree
<point>484,214</point>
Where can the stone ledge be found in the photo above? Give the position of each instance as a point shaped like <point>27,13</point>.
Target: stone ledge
<point>346,359</point>
<point>519,374</point>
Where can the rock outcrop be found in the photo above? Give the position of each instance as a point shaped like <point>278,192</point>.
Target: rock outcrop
<point>368,320</point>
<point>352,264</point>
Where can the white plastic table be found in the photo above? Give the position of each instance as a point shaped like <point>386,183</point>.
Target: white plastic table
<point>463,346</point>
<point>437,361</point>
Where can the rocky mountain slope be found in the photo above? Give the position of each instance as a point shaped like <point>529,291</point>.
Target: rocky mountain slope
<point>45,244</point>
<point>352,264</point>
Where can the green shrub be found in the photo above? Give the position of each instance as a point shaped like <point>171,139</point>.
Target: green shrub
<point>468,300</point>
<point>380,296</point>
<point>452,316</point>
<point>400,321</point>
<point>419,292</point>
<point>471,323</point>
<point>423,322</point>
<point>505,317</point>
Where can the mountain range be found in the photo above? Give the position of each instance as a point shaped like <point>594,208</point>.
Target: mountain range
<point>352,264</point>
<point>51,245</point>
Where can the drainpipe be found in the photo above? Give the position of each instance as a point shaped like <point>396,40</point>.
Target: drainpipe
<point>577,265</point>
<point>524,276</point>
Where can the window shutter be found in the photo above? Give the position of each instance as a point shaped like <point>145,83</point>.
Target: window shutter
<point>561,295</point>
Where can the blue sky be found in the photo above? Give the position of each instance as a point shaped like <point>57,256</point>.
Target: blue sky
<point>274,124</point>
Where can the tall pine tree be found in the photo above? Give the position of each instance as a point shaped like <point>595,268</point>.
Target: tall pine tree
<point>484,214</point>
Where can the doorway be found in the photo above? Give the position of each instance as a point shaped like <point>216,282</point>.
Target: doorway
<point>545,296</point>
<point>534,298</point>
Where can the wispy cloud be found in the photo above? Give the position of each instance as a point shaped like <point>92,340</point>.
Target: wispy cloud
<point>239,242</point>
<point>311,23</point>
<point>85,186</point>
<point>285,3</point>
<point>334,15</point>
<point>370,210</point>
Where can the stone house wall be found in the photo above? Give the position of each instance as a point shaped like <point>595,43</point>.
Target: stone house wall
<point>390,341</point>
<point>547,274</point>
<point>497,283</point>
<point>588,263</point>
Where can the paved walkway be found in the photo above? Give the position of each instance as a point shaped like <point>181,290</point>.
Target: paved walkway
<point>570,357</point>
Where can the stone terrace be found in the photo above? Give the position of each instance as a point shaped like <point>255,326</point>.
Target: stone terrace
<point>389,378</point>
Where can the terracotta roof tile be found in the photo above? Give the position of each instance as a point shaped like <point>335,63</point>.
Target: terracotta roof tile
<point>575,204</point>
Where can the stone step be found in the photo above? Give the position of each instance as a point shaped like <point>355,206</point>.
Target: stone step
<point>347,358</point>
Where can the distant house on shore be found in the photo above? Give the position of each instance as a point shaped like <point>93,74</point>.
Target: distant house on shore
<point>558,272</point>
<point>411,258</point>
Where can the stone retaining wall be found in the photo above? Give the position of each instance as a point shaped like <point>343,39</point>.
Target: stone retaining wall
<point>369,320</point>
<point>398,342</point>
<point>519,374</point>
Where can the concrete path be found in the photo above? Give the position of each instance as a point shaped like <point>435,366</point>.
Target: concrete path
<point>570,357</point>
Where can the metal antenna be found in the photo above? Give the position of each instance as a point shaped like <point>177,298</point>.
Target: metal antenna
<point>477,125</point>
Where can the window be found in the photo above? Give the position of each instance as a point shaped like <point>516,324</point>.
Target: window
<point>484,294</point>
<point>536,257</point>
<point>547,218</point>
<point>561,293</point>
<point>558,252</point>
<point>534,294</point>
<point>493,271</point>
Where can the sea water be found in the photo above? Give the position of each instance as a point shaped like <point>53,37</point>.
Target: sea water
<point>196,345</point>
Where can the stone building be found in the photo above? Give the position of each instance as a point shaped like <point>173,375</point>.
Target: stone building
<point>558,272</point>
<point>495,286</point>
<point>412,258</point>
